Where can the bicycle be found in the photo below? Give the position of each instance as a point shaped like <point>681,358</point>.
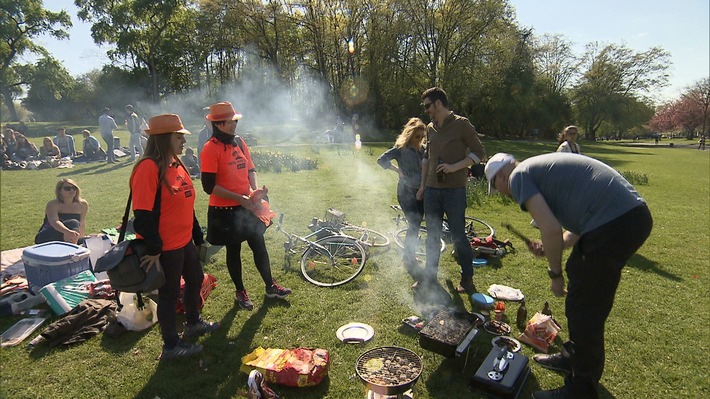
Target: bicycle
<point>475,228</point>
<point>329,261</point>
<point>335,223</point>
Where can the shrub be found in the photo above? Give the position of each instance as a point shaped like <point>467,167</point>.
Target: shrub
<point>278,162</point>
<point>637,179</point>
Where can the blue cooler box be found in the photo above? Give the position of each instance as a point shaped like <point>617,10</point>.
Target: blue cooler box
<point>52,261</point>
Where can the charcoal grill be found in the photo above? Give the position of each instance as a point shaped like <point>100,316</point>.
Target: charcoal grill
<point>389,370</point>
<point>449,332</point>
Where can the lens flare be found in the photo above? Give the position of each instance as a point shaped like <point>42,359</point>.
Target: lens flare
<point>351,46</point>
<point>358,144</point>
<point>354,91</point>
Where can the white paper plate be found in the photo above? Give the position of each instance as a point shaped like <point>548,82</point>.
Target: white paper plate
<point>355,333</point>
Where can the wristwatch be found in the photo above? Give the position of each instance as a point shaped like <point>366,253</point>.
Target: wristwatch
<point>553,275</point>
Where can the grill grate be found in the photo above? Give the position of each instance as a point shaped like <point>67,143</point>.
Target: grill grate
<point>389,366</point>
<point>449,327</point>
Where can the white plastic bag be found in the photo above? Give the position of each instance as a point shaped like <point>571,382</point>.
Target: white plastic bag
<point>133,318</point>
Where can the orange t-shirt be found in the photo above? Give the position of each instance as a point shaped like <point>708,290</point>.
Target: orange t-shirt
<point>231,167</point>
<point>176,204</point>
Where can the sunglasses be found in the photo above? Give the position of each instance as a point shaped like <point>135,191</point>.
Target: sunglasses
<point>427,105</point>
<point>68,188</point>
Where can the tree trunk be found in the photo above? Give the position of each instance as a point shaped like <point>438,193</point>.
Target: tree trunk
<point>9,103</point>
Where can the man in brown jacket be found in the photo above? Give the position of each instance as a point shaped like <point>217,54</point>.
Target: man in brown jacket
<point>452,147</point>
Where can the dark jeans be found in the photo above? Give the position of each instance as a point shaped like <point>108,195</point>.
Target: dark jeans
<point>414,213</point>
<point>594,271</point>
<point>109,147</point>
<point>182,262</point>
<point>48,233</point>
<point>253,234</point>
<point>452,202</point>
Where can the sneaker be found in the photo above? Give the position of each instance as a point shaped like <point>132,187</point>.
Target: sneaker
<point>556,362</point>
<point>200,328</point>
<point>277,291</point>
<point>466,285</point>
<point>242,299</point>
<point>559,393</point>
<point>182,349</point>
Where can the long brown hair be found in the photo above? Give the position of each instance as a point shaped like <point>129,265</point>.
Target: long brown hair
<point>60,184</point>
<point>562,137</point>
<point>408,135</point>
<point>160,150</point>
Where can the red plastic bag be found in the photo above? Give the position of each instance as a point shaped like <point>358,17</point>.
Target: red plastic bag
<point>300,367</point>
<point>208,284</point>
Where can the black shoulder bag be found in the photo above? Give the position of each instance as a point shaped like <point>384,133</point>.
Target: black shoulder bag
<point>123,261</point>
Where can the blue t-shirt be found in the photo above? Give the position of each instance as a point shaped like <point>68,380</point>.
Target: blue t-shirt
<point>582,192</point>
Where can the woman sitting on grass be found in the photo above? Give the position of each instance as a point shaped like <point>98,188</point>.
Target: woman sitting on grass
<point>25,150</point>
<point>49,151</point>
<point>65,216</point>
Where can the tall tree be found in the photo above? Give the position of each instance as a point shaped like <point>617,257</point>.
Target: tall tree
<point>21,22</point>
<point>143,32</point>
<point>613,74</point>
<point>699,95</point>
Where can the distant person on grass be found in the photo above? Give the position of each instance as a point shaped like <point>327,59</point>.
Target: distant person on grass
<point>133,124</point>
<point>408,151</point>
<point>701,143</point>
<point>583,204</point>
<point>172,235</point>
<point>191,163</point>
<point>65,215</point>
<point>91,147</point>
<point>49,151</point>
<point>65,143</point>
<point>452,147</point>
<point>25,150</point>
<point>567,140</point>
<point>205,133</point>
<point>107,124</point>
<point>229,177</point>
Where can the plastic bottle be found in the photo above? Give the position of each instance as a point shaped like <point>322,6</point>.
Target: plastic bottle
<point>440,176</point>
<point>522,318</point>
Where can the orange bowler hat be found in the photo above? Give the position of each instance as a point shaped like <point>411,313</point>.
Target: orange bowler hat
<point>223,111</point>
<point>166,123</point>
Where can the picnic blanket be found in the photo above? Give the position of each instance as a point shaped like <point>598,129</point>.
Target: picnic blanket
<point>11,263</point>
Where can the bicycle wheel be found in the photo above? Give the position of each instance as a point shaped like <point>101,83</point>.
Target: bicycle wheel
<point>477,228</point>
<point>369,237</point>
<point>335,261</point>
<point>401,234</point>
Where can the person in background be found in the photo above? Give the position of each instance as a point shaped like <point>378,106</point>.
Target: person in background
<point>49,151</point>
<point>170,233</point>
<point>65,215</point>
<point>91,147</point>
<point>583,204</point>
<point>229,177</point>
<point>567,140</point>
<point>701,143</point>
<point>11,142</point>
<point>25,150</point>
<point>452,147</point>
<point>133,124</point>
<point>65,143</point>
<point>191,163</point>
<point>107,124</point>
<point>205,133</point>
<point>408,151</point>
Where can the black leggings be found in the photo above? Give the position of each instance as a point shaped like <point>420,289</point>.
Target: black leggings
<point>48,233</point>
<point>250,230</point>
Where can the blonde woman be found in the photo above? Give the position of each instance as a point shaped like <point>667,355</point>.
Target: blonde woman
<point>567,140</point>
<point>65,216</point>
<point>49,150</point>
<point>408,151</point>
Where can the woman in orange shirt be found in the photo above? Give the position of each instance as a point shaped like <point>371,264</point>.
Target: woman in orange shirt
<point>229,177</point>
<point>163,205</point>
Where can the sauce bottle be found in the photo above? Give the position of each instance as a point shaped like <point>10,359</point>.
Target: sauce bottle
<point>522,318</point>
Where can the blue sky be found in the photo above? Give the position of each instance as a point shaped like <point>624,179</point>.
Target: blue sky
<point>681,28</point>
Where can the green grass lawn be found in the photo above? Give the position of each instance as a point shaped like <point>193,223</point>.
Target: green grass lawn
<point>657,336</point>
